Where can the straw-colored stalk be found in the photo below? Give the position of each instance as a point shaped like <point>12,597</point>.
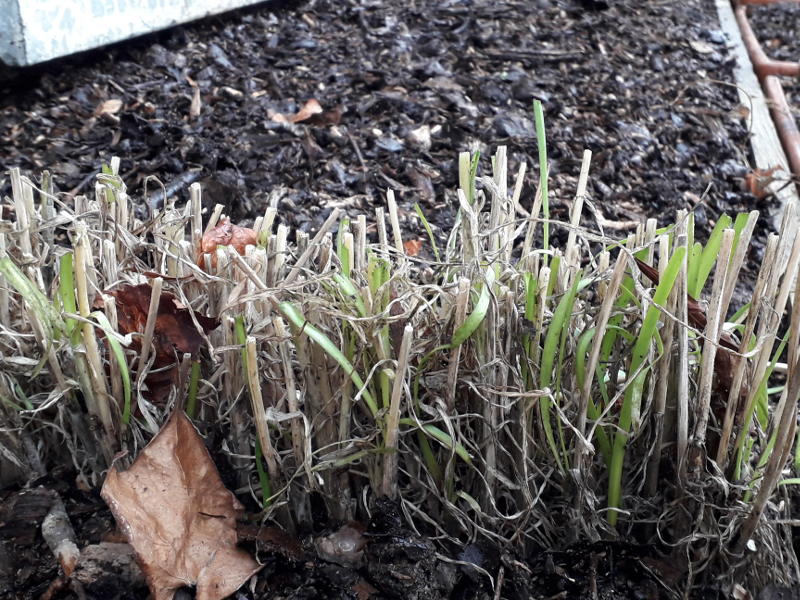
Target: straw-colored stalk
<point>530,234</point>
<point>150,326</point>
<point>461,302</point>
<point>394,220</point>
<point>98,401</point>
<point>5,311</point>
<point>499,198</point>
<point>785,430</point>
<point>515,208</point>
<point>572,254</point>
<point>214,218</point>
<point>312,247</point>
<point>734,405</point>
<point>110,309</point>
<point>390,462</point>
<point>682,364</point>
<point>277,265</point>
<point>770,322</point>
<point>257,404</point>
<point>600,329</point>
<point>716,317</point>
<point>662,387</point>
<point>23,212</point>
<point>299,439</point>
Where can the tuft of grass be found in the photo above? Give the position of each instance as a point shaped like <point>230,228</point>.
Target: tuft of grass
<point>506,390</point>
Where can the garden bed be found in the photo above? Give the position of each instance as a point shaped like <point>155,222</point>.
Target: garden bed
<point>403,88</point>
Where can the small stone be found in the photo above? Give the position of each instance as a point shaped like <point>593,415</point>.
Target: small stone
<point>420,137</point>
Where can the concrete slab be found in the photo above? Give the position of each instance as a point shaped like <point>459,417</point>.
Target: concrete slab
<point>34,31</point>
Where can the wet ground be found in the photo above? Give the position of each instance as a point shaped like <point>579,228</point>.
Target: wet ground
<point>404,87</point>
<point>646,87</point>
<point>777,27</point>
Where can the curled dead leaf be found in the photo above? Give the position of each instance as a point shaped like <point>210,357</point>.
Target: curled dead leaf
<point>757,181</point>
<point>311,113</point>
<point>226,234</point>
<point>175,332</point>
<point>180,519</point>
<point>108,107</point>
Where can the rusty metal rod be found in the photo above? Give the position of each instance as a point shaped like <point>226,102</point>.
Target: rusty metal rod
<point>768,71</point>
<point>763,65</point>
<point>784,121</point>
<point>766,2</point>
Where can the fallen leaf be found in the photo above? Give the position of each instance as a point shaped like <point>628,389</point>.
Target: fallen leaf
<point>311,107</point>
<point>312,114</point>
<point>757,181</point>
<point>326,117</point>
<point>412,247</point>
<point>108,107</point>
<point>226,234</point>
<point>196,106</point>
<point>724,361</point>
<point>701,47</point>
<point>175,332</point>
<point>180,519</point>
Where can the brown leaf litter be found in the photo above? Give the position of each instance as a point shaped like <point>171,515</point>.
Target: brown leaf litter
<point>175,332</point>
<point>180,519</point>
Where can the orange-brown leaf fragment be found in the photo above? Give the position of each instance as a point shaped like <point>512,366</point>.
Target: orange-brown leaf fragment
<point>226,234</point>
<point>412,247</point>
<point>179,517</point>
<point>311,113</point>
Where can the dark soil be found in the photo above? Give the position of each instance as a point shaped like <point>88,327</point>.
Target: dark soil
<point>645,86</point>
<point>640,84</point>
<point>777,27</point>
<point>394,562</point>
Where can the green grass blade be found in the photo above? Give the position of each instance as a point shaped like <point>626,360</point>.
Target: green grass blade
<point>429,231</point>
<point>556,333</point>
<point>66,290</point>
<point>476,317</point>
<point>119,355</point>
<point>441,437</point>
<point>634,389</point>
<point>348,288</point>
<point>708,257</point>
<point>42,307</point>
<point>194,384</point>
<point>299,321</point>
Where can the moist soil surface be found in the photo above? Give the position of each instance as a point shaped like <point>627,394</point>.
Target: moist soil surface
<point>776,27</point>
<point>404,87</point>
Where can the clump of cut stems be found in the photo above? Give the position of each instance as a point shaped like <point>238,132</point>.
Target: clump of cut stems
<point>497,385</point>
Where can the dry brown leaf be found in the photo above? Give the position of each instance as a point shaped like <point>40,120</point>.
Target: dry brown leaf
<point>757,181</point>
<point>108,107</point>
<point>226,234</point>
<point>724,362</point>
<point>179,517</point>
<point>196,106</point>
<point>175,332</point>
<point>312,114</point>
<point>311,107</point>
<point>412,247</point>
